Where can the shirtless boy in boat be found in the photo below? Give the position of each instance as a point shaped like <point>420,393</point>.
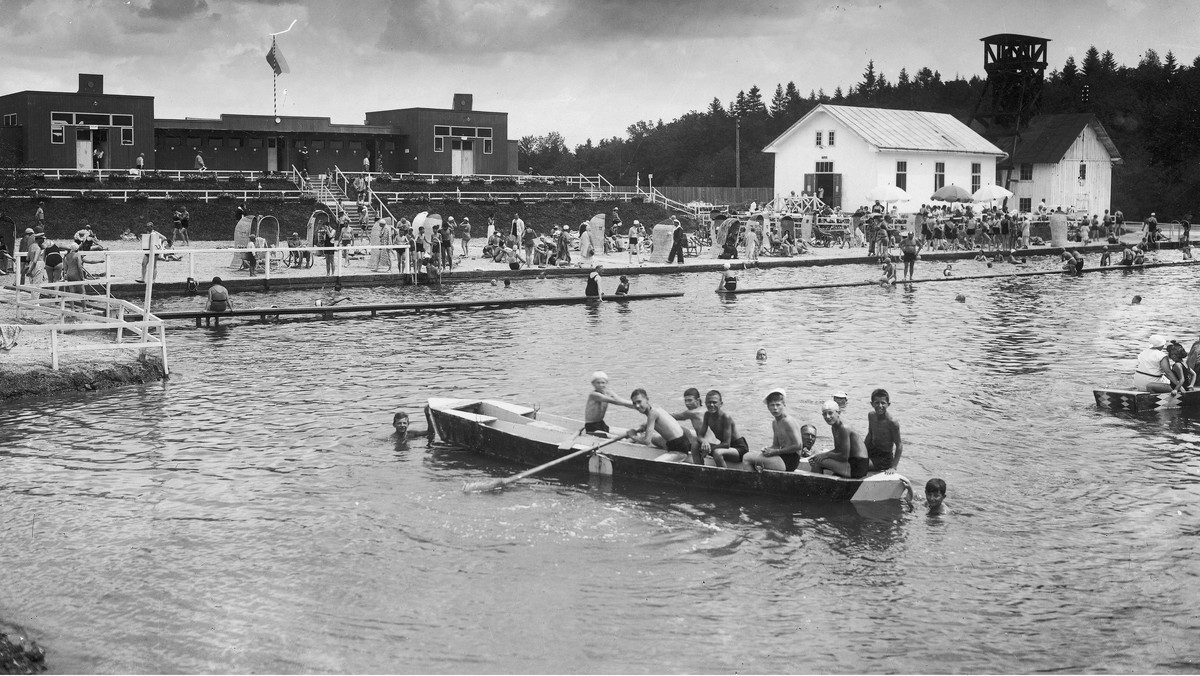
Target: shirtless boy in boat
<point>849,456</point>
<point>731,446</point>
<point>659,426</point>
<point>783,455</point>
<point>694,413</point>
<point>597,405</point>
<point>884,447</point>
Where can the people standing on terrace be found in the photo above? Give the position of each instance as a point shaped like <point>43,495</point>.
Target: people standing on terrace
<point>199,165</point>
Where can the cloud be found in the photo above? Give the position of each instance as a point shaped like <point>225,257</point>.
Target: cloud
<point>173,9</point>
<point>455,27</point>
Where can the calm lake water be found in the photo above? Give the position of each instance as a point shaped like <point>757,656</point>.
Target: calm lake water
<point>254,514</point>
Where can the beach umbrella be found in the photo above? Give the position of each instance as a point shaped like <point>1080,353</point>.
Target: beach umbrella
<point>991,193</point>
<point>951,193</point>
<point>887,193</point>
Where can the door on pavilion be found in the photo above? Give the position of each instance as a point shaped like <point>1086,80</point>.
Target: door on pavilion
<point>462,157</point>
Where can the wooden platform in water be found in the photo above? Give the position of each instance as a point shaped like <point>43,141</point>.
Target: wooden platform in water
<point>998,275</point>
<point>373,309</point>
<point>1137,402</point>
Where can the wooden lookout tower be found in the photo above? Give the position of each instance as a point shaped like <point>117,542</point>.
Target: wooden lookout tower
<point>1016,71</point>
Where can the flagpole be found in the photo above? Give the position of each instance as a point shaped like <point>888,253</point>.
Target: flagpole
<point>275,75</point>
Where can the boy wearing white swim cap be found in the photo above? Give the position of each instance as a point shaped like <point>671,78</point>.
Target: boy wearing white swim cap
<point>597,405</point>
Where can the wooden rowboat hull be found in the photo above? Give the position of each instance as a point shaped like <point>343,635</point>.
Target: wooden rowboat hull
<point>1136,401</point>
<point>523,435</point>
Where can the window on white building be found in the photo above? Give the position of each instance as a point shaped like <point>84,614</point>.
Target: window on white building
<point>939,176</point>
<point>820,135</point>
<point>902,175</point>
<point>830,138</point>
<point>976,175</point>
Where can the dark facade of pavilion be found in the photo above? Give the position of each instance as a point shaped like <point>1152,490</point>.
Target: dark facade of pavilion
<point>62,130</point>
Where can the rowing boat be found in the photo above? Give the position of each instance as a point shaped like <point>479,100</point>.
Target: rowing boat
<point>530,437</point>
<point>1136,401</point>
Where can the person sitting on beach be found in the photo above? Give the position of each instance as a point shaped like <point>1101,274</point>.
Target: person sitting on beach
<point>981,256</point>
<point>1139,255</point>
<point>1186,249</point>
<point>218,297</point>
<point>731,446</point>
<point>728,280</point>
<point>660,429</point>
<point>128,235</point>
<point>883,443</point>
<point>295,256</point>
<point>513,258</point>
<point>849,456</point>
<point>783,454</point>
<point>623,287</point>
<point>597,405</point>
<point>1154,371</point>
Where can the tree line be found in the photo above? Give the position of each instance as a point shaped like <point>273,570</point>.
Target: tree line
<point>1151,111</point>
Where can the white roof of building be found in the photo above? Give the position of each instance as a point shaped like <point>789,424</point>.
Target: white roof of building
<point>911,130</point>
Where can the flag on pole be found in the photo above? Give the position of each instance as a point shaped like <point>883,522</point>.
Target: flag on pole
<point>275,58</point>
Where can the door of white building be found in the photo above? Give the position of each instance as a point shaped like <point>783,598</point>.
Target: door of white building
<point>83,149</point>
<point>272,154</point>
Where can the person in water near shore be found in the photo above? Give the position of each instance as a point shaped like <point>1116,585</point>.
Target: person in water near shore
<point>659,427</point>
<point>783,455</point>
<point>593,290</point>
<point>1072,263</point>
<point>935,496</point>
<point>883,443</point>
<point>909,249</point>
<point>849,456</point>
<point>1105,257</point>
<point>731,446</point>
<point>623,286</point>
<point>597,405</point>
<point>728,280</point>
<point>400,423</point>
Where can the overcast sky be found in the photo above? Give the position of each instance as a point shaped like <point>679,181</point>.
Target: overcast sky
<point>585,68</point>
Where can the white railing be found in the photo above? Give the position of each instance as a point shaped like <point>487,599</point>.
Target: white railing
<point>125,195</point>
<point>135,174</point>
<point>274,262</point>
<point>73,311</point>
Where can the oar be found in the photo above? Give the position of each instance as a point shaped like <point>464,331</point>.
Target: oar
<point>481,486</point>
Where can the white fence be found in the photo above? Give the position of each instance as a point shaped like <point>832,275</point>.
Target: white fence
<point>71,311</point>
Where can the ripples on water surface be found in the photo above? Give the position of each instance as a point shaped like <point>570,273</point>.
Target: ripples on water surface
<point>253,514</point>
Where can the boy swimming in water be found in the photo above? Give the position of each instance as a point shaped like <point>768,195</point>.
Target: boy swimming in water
<point>883,434</point>
<point>935,496</point>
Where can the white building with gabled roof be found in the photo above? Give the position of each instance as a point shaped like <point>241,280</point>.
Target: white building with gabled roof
<point>840,153</point>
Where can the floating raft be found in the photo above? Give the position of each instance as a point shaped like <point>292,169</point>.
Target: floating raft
<point>376,308</point>
<point>997,275</point>
<point>1137,402</point>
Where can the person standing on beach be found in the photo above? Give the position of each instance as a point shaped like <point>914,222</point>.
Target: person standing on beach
<point>677,240</point>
